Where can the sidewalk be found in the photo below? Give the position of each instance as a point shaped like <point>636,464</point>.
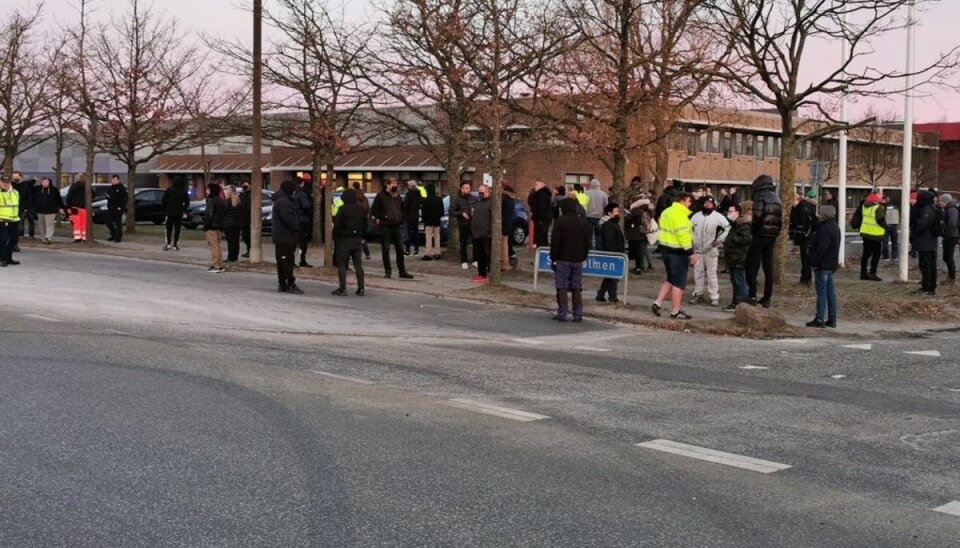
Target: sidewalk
<point>447,279</point>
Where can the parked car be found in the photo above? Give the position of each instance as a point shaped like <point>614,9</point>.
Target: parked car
<point>148,207</point>
<point>520,221</point>
<point>193,217</point>
<point>99,193</point>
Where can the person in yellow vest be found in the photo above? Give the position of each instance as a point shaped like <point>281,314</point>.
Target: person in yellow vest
<point>581,196</point>
<point>871,220</point>
<point>337,202</point>
<point>9,220</point>
<point>676,249</point>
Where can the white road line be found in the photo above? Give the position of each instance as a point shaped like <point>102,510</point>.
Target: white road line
<point>42,318</point>
<point>931,353</point>
<point>115,332</point>
<point>718,457</point>
<point>340,377</point>
<point>502,412</point>
<point>591,349</point>
<point>859,346</point>
<point>838,377</point>
<point>758,367</point>
<point>528,341</point>
<point>795,341</point>
<point>952,508</point>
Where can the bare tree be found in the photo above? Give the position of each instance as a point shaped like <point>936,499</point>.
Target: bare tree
<point>140,60</point>
<point>875,150</point>
<point>771,40</point>
<point>23,81</point>
<point>64,114</point>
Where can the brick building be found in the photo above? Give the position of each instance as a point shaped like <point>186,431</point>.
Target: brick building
<point>948,160</point>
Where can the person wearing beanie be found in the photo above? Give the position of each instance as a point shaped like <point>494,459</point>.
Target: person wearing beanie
<point>891,242</point>
<point>641,233</point>
<point>286,236</point>
<point>412,203</point>
<point>388,213</point>
<point>735,249</point>
<point>824,258</point>
<point>213,218</point>
<point>951,234</point>
<point>595,211</point>
<point>767,223</point>
<point>803,217</point>
<point>613,242</point>
<point>924,236</point>
<point>569,247</point>
<point>709,230</point>
<point>870,219</point>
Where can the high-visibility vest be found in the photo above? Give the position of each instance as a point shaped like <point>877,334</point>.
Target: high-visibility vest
<point>676,229</point>
<point>423,191</point>
<point>337,202</point>
<point>869,225</point>
<point>583,199</point>
<point>10,206</point>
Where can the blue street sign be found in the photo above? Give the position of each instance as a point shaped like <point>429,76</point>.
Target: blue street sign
<point>599,264</point>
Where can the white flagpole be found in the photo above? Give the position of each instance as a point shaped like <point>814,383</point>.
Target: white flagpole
<point>907,148</point>
<point>842,157</point>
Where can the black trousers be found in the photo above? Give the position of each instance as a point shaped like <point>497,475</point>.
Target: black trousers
<point>949,256</point>
<point>115,224</point>
<point>28,219</point>
<point>306,234</point>
<point>871,256</point>
<point>464,232</point>
<point>391,235</point>
<point>233,243</point>
<point>481,254</point>
<point>347,250</point>
<point>412,236</point>
<point>541,234</point>
<point>174,225</point>
<point>928,270</point>
<point>285,256</point>
<point>806,273</point>
<point>245,234</point>
<point>8,234</point>
<point>761,255</point>
<point>609,287</point>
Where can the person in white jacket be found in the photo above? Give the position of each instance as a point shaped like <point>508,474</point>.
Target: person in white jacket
<point>709,230</point>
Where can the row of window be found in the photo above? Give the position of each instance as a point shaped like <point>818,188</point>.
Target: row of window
<point>730,144</point>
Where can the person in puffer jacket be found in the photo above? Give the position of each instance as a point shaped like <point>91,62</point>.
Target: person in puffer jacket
<point>767,223</point>
<point>709,230</point>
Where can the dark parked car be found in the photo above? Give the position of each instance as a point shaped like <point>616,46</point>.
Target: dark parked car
<point>148,207</point>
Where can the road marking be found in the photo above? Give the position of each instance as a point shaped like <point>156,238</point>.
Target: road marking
<point>475,312</point>
<point>502,412</point>
<point>759,367</point>
<point>795,341</point>
<point>718,457</point>
<point>931,353</point>
<point>115,332</point>
<point>528,341</point>
<point>952,508</point>
<point>859,346</point>
<point>42,318</point>
<point>340,377</point>
<point>838,376</point>
<point>591,349</point>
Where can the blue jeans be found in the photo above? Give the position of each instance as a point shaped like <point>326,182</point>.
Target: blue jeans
<point>594,225</point>
<point>826,296</point>
<point>738,279</point>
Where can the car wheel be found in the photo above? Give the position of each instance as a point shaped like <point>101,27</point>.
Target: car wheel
<point>158,222</point>
<point>519,234</point>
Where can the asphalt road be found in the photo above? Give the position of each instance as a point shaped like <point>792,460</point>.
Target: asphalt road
<point>149,404</point>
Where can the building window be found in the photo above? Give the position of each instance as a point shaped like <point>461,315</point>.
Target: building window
<point>748,141</point>
<point>738,144</point>
<point>703,142</point>
<point>760,147</point>
<point>574,178</point>
<point>772,147</point>
<point>715,142</point>
<point>727,145</point>
<point>692,140</point>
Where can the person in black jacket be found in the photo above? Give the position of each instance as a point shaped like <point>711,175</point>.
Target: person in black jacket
<point>116,205</point>
<point>481,230</point>
<point>569,246</point>
<point>432,212</point>
<point>349,226</point>
<point>387,211</point>
<point>27,210</point>
<point>175,202</point>
<point>286,235</point>
<point>613,242</point>
<point>411,216</point>
<point>803,217</point>
<point>48,203</point>
<point>77,207</point>
<point>213,226</point>
<point>666,199</point>
<point>245,201</point>
<point>303,199</point>
<point>508,212</point>
<point>767,223</point>
<point>924,234</point>
<point>541,210</point>
<point>232,224</point>
<point>824,257</point>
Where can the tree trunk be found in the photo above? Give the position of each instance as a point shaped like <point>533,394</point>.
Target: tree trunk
<point>205,162</point>
<point>58,160</point>
<point>661,167</point>
<point>9,153</point>
<point>316,162</point>
<point>328,217</point>
<point>132,198</point>
<point>91,154</point>
<point>619,173</point>
<point>454,168</point>
<point>788,174</point>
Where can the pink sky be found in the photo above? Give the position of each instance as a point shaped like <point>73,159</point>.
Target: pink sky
<point>937,32</point>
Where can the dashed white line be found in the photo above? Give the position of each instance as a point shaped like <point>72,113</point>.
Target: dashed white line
<point>42,318</point>
<point>838,377</point>
<point>952,508</point>
<point>859,346</point>
<point>758,367</point>
<point>930,353</point>
<point>497,411</point>
<point>795,341</point>
<point>718,457</point>
<point>591,349</point>
<point>340,377</point>
<point>528,341</point>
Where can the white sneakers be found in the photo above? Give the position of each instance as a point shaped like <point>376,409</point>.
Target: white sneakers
<point>464,266</point>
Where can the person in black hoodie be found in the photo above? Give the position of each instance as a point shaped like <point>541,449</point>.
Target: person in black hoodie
<point>304,202</point>
<point>432,212</point>
<point>613,242</point>
<point>27,210</point>
<point>767,223</point>
<point>824,256</point>
<point>349,226</point>
<point>411,216</point>
<point>77,207</point>
<point>116,205</point>
<point>924,236</point>
<point>213,226</point>
<point>245,202</point>
<point>175,202</point>
<point>803,217</point>
<point>232,224</point>
<point>569,246</point>
<point>541,210</point>
<point>286,235</point>
<point>508,212</point>
<point>48,203</point>
<point>387,211</point>
<point>666,199</point>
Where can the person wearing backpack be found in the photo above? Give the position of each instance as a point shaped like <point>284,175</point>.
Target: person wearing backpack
<point>870,219</point>
<point>924,236</point>
<point>950,233</point>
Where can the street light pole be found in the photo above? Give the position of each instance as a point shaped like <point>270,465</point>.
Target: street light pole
<point>842,154</point>
<point>256,177</point>
<point>907,148</point>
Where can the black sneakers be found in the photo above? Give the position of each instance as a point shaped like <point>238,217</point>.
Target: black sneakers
<point>681,315</point>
